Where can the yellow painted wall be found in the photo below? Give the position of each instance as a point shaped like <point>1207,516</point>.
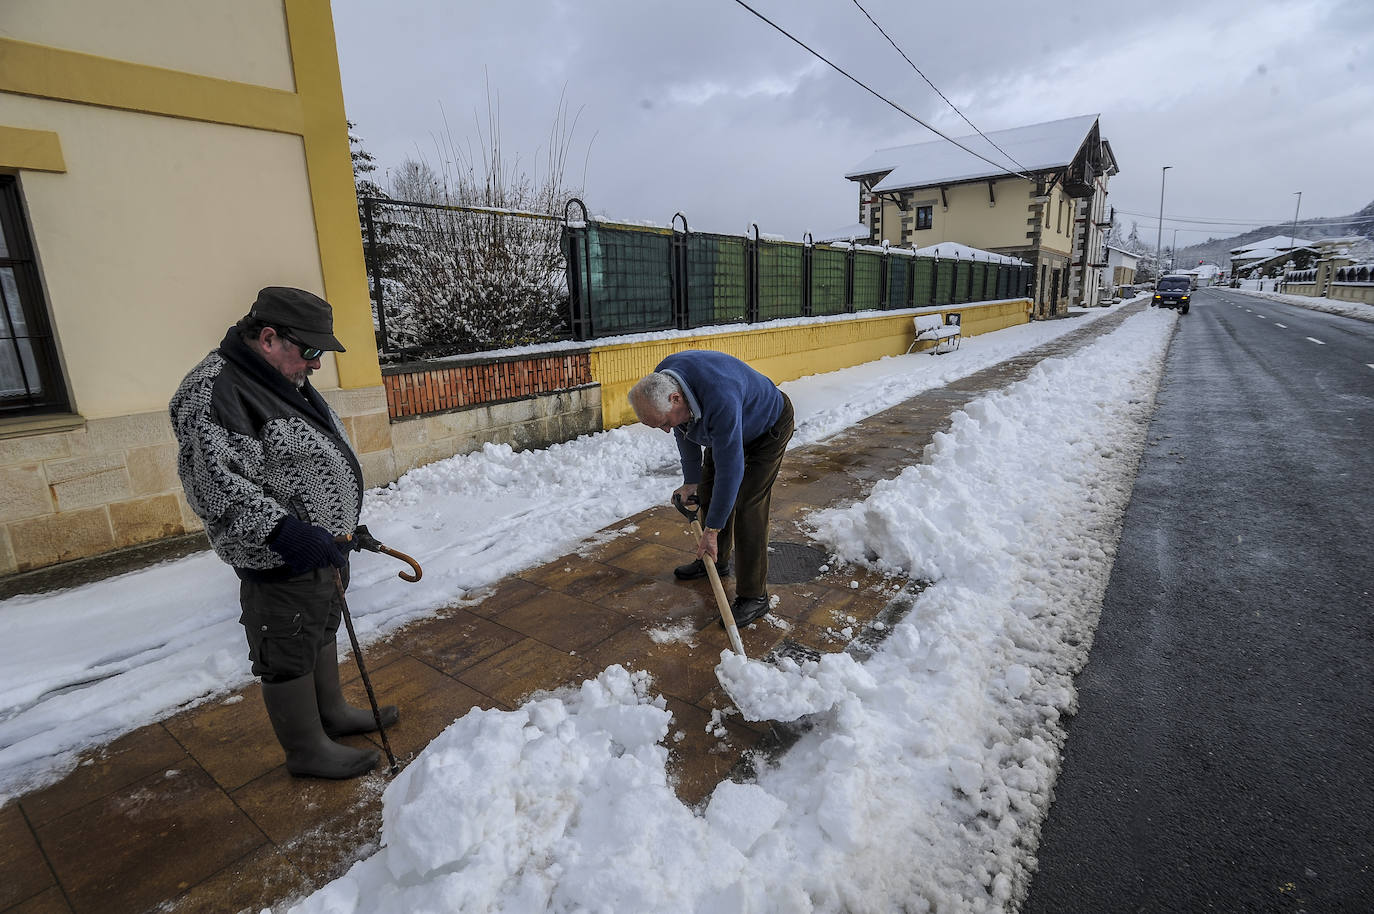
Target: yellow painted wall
<point>968,219</point>
<point>1056,230</point>
<point>149,253</point>
<point>243,40</point>
<point>192,151</point>
<point>971,221</point>
<point>787,352</point>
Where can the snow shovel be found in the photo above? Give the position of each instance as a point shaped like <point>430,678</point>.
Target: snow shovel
<point>725,615</point>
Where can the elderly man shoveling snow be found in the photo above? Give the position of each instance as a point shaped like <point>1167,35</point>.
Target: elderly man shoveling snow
<point>731,425</point>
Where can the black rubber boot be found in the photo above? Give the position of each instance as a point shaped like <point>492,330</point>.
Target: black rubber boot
<point>309,752</point>
<point>336,714</point>
<point>697,569</point>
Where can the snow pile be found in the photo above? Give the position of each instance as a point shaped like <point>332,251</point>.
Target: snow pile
<point>926,770</point>
<point>83,666</point>
<point>1355,309</point>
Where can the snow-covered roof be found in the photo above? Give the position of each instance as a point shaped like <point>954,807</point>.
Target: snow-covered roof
<point>1277,243</point>
<point>1112,247</point>
<point>1255,254</point>
<point>1036,146</point>
<point>964,252</point>
<point>853,232</point>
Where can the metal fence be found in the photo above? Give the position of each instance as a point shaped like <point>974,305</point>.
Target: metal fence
<point>633,279</point>
<point>448,279</point>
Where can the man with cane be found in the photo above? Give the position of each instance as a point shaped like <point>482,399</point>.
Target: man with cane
<point>267,466</point>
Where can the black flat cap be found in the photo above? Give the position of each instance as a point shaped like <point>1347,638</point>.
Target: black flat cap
<point>306,314</point>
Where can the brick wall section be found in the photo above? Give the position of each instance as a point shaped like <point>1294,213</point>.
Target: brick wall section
<point>425,390</point>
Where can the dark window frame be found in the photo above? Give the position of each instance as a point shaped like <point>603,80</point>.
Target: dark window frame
<point>925,217</point>
<point>28,348</point>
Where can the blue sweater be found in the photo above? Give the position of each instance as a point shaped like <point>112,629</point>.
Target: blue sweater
<point>731,404</point>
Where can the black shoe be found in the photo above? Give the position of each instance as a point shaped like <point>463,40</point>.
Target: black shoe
<point>748,609</point>
<point>697,569</point>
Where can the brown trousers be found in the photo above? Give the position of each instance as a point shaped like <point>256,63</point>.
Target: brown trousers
<point>746,531</point>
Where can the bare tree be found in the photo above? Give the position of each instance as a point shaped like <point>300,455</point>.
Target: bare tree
<point>477,268</point>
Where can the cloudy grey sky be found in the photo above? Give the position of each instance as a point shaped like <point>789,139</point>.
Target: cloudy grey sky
<point>697,106</point>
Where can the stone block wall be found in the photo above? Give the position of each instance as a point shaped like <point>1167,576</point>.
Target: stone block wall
<point>77,489</point>
<point>96,486</point>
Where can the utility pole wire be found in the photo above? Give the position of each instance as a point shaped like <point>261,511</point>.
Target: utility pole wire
<point>1259,223</point>
<point>932,85</point>
<point>999,166</point>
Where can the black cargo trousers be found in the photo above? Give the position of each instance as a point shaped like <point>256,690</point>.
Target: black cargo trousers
<point>286,622</point>
<point>746,531</point>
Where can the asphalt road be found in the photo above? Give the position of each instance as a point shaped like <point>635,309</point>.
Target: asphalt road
<point>1222,758</point>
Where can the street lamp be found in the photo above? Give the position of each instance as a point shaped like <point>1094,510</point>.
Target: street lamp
<point>1159,236</point>
<point>1292,239</point>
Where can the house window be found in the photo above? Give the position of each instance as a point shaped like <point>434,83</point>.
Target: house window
<point>924,217</point>
<point>30,379</point>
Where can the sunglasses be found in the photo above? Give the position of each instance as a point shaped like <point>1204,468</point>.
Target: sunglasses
<point>309,353</point>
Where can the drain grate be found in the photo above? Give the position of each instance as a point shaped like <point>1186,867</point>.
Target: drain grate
<point>793,563</point>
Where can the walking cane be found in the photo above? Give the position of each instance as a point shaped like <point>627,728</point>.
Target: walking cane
<point>365,540</point>
<point>362,670</point>
<point>362,539</point>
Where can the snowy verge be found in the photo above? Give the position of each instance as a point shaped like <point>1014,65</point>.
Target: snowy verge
<point>1357,310</point>
<point>926,771</point>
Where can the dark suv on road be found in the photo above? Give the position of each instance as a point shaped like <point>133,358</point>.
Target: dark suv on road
<point>1173,292</point>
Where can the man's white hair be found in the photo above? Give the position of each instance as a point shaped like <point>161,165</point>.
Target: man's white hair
<point>651,393</point>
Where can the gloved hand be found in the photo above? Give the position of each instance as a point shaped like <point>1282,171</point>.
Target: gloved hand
<point>363,539</point>
<point>305,547</point>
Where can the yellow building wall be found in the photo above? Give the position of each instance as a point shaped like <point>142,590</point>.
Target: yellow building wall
<point>147,261</point>
<point>172,156</point>
<point>207,156</point>
<point>244,41</point>
<point>788,352</point>
<point>968,219</point>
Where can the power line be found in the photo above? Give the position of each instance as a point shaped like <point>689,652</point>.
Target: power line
<point>1000,167</point>
<point>932,85</point>
<point>1258,223</point>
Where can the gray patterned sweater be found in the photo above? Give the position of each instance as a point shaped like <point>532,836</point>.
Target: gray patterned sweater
<point>253,447</point>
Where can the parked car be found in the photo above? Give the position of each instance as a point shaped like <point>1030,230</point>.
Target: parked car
<point>1173,291</point>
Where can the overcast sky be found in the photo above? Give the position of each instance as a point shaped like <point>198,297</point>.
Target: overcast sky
<point>699,107</point>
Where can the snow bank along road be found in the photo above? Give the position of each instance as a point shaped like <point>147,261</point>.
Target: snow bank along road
<point>926,772</point>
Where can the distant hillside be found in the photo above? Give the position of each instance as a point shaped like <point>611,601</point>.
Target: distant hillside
<point>1218,250</point>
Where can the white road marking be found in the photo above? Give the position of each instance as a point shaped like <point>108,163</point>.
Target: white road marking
<point>1277,324</point>
<point>1317,341</point>
<point>1261,317</point>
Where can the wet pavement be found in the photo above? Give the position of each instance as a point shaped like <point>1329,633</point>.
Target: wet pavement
<point>197,813</point>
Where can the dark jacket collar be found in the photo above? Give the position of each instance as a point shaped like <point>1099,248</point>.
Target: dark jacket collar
<point>250,362</point>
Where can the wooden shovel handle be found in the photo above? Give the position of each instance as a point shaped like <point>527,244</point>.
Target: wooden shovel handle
<point>725,614</point>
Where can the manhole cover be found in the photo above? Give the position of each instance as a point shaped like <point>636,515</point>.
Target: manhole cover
<point>793,563</point>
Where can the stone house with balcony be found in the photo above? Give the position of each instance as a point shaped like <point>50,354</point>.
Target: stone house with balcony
<point>1046,206</point>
